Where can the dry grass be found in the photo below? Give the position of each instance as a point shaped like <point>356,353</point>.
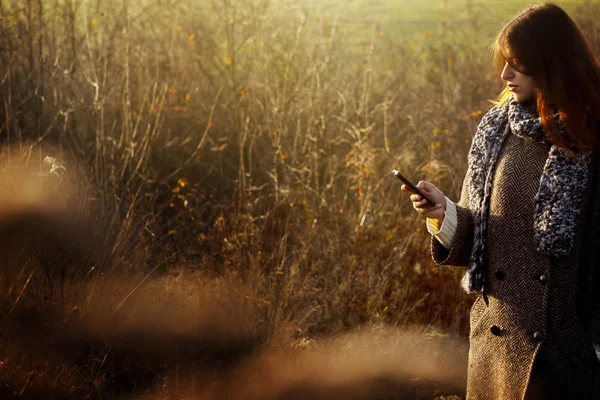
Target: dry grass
<point>221,211</point>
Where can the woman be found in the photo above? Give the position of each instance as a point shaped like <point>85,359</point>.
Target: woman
<point>527,225</point>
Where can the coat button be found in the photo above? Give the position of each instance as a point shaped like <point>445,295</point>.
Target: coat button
<point>500,275</point>
<point>538,335</point>
<point>495,330</point>
<point>543,278</point>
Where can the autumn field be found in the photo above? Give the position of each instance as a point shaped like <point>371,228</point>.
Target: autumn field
<point>196,199</point>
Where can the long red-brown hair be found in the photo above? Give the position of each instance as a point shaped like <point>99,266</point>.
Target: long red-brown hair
<point>545,43</point>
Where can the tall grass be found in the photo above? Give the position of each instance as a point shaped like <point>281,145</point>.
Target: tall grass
<point>251,142</point>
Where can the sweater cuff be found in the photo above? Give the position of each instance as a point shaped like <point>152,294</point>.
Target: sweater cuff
<point>444,233</point>
<point>597,348</point>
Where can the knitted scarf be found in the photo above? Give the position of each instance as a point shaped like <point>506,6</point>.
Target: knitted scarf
<point>557,202</point>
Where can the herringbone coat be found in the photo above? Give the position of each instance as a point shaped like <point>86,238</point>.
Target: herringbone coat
<point>532,328</point>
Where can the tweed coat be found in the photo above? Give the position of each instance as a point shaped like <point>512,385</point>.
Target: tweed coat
<point>532,327</point>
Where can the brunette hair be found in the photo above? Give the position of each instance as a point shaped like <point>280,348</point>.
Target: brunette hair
<point>545,43</point>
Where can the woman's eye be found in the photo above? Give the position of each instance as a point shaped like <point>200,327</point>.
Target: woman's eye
<point>518,69</point>
<point>521,70</point>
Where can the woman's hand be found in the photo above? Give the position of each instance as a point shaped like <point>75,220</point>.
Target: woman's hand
<point>435,194</point>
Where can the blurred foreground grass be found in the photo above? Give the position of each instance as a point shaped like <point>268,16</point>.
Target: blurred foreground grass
<point>219,200</point>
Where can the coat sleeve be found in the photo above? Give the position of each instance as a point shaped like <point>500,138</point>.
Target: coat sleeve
<point>460,250</point>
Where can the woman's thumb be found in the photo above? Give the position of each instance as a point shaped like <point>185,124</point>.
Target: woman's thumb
<point>424,186</point>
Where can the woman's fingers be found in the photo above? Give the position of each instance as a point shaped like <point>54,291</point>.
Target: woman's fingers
<point>429,212</point>
<point>419,203</point>
<point>419,207</point>
<point>416,199</point>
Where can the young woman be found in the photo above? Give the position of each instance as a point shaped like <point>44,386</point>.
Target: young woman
<point>527,225</point>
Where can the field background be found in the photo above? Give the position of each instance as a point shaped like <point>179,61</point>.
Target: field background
<point>197,199</point>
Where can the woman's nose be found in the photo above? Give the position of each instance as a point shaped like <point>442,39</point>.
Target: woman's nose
<point>507,72</point>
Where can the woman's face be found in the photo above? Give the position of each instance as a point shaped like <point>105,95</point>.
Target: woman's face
<point>521,84</point>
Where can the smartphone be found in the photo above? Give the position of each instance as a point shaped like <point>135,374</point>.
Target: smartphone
<point>414,189</point>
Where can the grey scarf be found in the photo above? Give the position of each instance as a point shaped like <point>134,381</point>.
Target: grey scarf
<point>557,202</point>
